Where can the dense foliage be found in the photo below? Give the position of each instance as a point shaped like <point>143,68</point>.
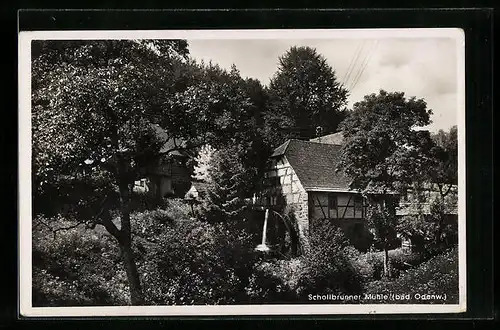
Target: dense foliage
<point>435,277</point>
<point>193,262</point>
<point>96,110</point>
<point>383,154</point>
<point>76,267</point>
<point>181,261</point>
<point>327,266</point>
<point>303,94</point>
<point>185,261</point>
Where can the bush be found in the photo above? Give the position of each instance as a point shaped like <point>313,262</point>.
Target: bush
<point>437,276</point>
<point>76,267</point>
<point>364,269</point>
<point>275,281</point>
<point>327,268</point>
<point>181,260</point>
<point>187,261</point>
<point>370,265</point>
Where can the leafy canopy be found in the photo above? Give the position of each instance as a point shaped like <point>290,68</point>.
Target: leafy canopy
<point>304,94</point>
<point>383,150</point>
<point>445,153</point>
<point>94,102</point>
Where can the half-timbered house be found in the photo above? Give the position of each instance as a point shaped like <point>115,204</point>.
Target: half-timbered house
<point>167,174</point>
<point>418,203</point>
<point>302,176</point>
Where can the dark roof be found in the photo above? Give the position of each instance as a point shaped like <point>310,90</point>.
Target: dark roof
<point>335,138</point>
<point>197,191</point>
<point>281,149</point>
<point>314,163</point>
<point>201,187</point>
<point>170,143</point>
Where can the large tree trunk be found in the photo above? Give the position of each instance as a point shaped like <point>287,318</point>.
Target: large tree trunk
<point>135,289</point>
<point>125,241</point>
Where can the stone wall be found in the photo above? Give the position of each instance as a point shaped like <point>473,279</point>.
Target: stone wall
<point>300,210</point>
<point>285,193</point>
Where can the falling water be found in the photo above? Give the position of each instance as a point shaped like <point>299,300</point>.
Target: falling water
<point>263,247</point>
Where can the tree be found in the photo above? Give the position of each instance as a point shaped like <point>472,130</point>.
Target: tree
<point>225,112</point>
<point>445,152</point>
<point>444,174</point>
<point>93,106</point>
<point>225,200</point>
<point>383,153</point>
<point>438,191</point>
<point>203,162</point>
<point>303,94</point>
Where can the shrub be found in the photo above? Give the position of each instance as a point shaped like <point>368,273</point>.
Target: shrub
<point>274,281</point>
<point>370,265</point>
<point>327,268</point>
<point>141,201</point>
<point>188,261</point>
<point>438,276</point>
<point>364,269</point>
<point>76,267</point>
<point>402,260</point>
<point>151,223</point>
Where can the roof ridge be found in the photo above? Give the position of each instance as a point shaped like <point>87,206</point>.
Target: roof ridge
<point>300,140</point>
<point>287,144</point>
<point>327,145</point>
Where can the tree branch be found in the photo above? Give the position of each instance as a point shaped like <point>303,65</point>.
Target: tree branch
<point>111,228</point>
<point>54,231</point>
<point>66,228</point>
<point>41,222</point>
<point>447,191</point>
<point>97,216</point>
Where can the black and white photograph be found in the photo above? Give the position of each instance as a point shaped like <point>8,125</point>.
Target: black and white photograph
<point>242,172</point>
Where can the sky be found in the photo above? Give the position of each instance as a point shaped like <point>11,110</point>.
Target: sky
<point>421,67</point>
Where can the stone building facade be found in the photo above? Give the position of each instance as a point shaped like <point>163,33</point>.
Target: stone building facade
<point>301,178</point>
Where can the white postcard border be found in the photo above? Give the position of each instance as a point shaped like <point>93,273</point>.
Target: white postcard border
<point>25,212</point>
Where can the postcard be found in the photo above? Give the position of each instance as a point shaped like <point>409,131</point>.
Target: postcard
<point>242,172</point>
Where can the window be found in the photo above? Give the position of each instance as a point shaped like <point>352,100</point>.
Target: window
<point>332,201</point>
<point>358,203</point>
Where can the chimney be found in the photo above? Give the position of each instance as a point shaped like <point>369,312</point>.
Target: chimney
<point>319,133</point>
